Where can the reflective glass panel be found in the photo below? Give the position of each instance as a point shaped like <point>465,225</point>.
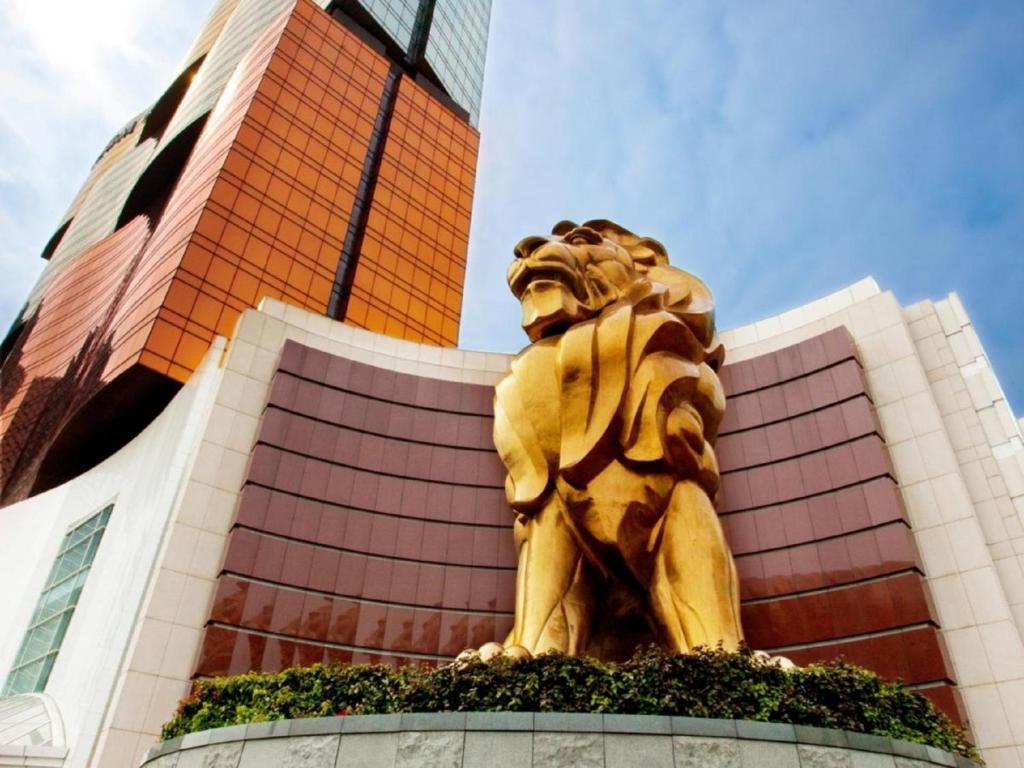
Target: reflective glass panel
<point>457,49</point>
<point>396,16</point>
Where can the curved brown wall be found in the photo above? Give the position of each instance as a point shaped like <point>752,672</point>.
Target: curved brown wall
<point>810,506</point>
<point>373,525</point>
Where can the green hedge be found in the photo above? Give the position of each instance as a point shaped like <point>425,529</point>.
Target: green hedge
<point>707,683</point>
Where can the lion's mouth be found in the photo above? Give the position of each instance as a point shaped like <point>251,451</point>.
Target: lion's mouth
<point>530,271</point>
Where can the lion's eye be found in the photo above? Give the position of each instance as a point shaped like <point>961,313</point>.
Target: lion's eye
<point>583,236</point>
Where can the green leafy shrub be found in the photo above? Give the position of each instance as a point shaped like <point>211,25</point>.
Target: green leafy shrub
<point>706,683</point>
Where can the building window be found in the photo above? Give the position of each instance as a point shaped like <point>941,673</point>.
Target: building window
<point>38,651</point>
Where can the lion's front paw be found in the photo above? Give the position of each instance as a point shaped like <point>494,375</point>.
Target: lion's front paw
<point>779,661</point>
<point>491,651</point>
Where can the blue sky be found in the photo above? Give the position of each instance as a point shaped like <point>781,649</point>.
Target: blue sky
<point>780,150</point>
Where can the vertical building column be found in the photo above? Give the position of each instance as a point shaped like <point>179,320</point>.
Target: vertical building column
<point>420,32</point>
<point>364,196</point>
<point>983,432</point>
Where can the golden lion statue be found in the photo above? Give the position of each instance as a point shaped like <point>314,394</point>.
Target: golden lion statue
<point>606,425</point>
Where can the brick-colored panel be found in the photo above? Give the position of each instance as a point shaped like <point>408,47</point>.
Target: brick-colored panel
<point>375,498</point>
<point>823,548</point>
<point>856,508</point>
<point>857,609</point>
<point>815,430</point>
<point>913,655</point>
<point>827,563</point>
<point>790,363</point>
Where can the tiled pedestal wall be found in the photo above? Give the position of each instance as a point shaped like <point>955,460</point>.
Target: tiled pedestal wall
<point>372,524</point>
<point>548,739</point>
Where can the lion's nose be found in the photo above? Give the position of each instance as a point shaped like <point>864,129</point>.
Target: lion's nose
<point>528,245</point>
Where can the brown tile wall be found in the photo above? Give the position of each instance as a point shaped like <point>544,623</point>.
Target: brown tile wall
<point>810,506</point>
<point>373,525</point>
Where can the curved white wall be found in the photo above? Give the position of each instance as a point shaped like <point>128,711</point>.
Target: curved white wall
<point>957,454</point>
<point>142,481</point>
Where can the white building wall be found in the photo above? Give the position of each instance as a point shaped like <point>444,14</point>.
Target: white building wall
<point>142,481</point>
<point>986,437</point>
<point>957,493</point>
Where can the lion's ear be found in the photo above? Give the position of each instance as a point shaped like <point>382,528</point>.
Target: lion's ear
<point>648,252</point>
<point>562,227</point>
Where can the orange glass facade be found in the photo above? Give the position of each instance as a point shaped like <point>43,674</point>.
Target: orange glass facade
<point>261,204</point>
<point>269,191</point>
<point>412,265</point>
<point>62,358</point>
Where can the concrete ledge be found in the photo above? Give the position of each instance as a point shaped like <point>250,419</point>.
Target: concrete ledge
<point>526,739</point>
<point>38,756</point>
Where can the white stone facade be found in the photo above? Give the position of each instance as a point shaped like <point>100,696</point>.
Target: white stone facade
<point>957,454</point>
<point>142,481</point>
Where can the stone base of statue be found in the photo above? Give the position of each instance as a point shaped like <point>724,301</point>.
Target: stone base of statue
<point>527,740</point>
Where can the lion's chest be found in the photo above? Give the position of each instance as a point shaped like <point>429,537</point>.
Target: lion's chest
<point>539,388</point>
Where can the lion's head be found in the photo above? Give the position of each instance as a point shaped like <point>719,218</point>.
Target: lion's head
<point>578,270</point>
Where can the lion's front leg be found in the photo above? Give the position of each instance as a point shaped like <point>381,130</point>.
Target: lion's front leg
<point>554,585</point>
<point>694,589</point>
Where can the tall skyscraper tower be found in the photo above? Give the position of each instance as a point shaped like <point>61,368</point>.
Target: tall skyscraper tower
<point>324,156</point>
